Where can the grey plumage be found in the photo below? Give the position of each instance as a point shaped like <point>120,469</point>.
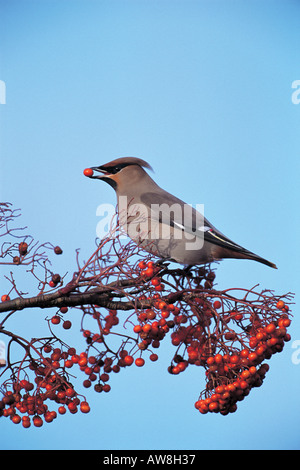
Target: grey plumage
<point>163,224</point>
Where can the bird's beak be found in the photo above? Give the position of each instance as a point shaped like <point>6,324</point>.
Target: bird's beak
<point>101,170</point>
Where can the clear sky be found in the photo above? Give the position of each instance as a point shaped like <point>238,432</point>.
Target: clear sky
<point>202,90</point>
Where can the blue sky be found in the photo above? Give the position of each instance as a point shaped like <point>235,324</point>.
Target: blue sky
<point>203,91</point>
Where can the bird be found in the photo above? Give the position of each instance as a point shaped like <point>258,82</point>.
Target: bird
<point>163,224</point>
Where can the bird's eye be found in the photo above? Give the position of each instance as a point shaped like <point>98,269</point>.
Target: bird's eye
<point>117,168</point>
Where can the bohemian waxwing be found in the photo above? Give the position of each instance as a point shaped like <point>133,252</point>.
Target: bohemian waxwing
<point>161,223</point>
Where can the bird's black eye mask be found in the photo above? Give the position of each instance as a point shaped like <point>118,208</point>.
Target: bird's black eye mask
<point>112,170</point>
<point>109,170</point>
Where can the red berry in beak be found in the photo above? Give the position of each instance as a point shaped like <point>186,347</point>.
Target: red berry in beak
<point>88,172</point>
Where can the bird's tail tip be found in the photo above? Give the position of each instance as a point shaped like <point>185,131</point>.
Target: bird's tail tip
<point>266,262</point>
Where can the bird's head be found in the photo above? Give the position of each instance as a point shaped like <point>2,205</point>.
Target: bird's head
<point>126,170</point>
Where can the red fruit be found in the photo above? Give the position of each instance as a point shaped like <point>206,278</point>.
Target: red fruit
<point>139,361</point>
<point>70,392</point>
<point>84,407</point>
<point>210,360</point>
<point>243,384</point>
<point>153,357</point>
<point>280,304</point>
<point>146,328</point>
<point>252,357</point>
<point>245,374</point>
<point>5,298</point>
<point>218,358</point>
<point>150,314</point>
<point>137,328</point>
<point>217,304</point>
<point>37,421</point>
<point>64,309</point>
<point>285,322</point>
<point>82,361</point>
<point>72,407</point>
<point>252,342</point>
<point>55,320</point>
<point>213,406</point>
<point>142,265</point>
<point>149,272</point>
<point>67,324</point>
<point>26,421</point>
<point>244,353</point>
<point>270,328</point>
<point>128,360</point>
<point>16,419</point>
<point>234,359</point>
<point>104,377</point>
<point>58,250</point>
<point>176,340</point>
<point>62,410</point>
<point>165,314</point>
<point>88,172</point>
<point>162,305</point>
<point>23,248</point>
<point>92,360</point>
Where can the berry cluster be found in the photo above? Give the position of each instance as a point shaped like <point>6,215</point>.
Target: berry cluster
<point>230,338</point>
<point>230,377</point>
<point>232,357</point>
<point>48,384</point>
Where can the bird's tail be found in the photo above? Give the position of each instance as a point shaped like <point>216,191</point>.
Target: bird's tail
<point>261,260</point>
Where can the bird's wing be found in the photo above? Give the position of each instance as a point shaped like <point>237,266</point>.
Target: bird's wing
<point>186,218</point>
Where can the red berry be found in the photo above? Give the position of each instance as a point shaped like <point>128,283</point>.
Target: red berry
<point>84,407</point>
<point>162,305</point>
<point>218,358</point>
<point>270,328</point>
<point>55,320</point>
<point>16,419</point>
<point>139,361</point>
<point>280,304</point>
<point>23,248</point>
<point>286,322</point>
<point>82,361</point>
<point>70,392</point>
<point>62,410</point>
<point>37,421</point>
<point>26,421</point>
<point>5,298</point>
<point>148,272</point>
<point>67,324</point>
<point>213,406</point>
<point>88,172</point>
<point>128,360</point>
<point>217,304</point>
<point>142,265</point>
<point>153,357</point>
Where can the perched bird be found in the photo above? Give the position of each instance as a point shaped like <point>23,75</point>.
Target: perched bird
<point>161,223</point>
